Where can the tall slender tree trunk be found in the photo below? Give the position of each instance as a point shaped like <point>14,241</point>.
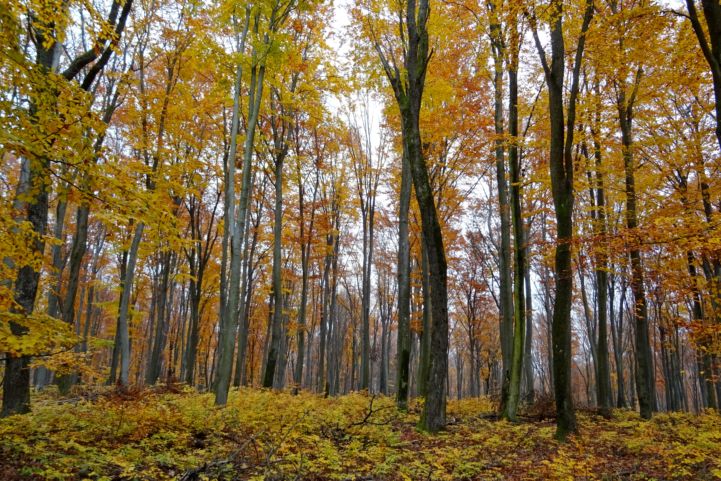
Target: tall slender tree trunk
<point>424,359</point>
<point>365,308</point>
<point>433,417</point>
<point>324,314</point>
<point>645,385</point>
<point>408,92</point>
<point>305,261</point>
<point>274,348</point>
<point>561,166</point>
<point>246,292</point>
<point>603,372</point>
<point>528,370</point>
<point>403,353</point>
<point>504,261</point>
<point>157,344</point>
<point>617,339</point>
<point>333,370</point>
<point>55,292</point>
<point>77,252</point>
<point>519,242</point>
<point>236,224</point>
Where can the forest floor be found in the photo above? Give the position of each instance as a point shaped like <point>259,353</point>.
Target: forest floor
<point>178,434</point>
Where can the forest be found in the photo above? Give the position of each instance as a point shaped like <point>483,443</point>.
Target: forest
<point>360,240</point>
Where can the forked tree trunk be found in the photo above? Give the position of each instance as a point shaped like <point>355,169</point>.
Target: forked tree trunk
<point>519,242</point>
<point>561,166</point>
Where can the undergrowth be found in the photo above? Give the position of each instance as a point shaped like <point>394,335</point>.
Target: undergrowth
<point>159,435</point>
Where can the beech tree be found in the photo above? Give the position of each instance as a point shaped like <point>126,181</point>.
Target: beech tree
<point>31,202</point>
<point>562,122</point>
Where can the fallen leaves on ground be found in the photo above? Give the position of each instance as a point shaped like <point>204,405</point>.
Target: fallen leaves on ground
<point>159,435</point>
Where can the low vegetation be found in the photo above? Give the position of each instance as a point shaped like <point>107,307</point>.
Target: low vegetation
<point>173,433</point>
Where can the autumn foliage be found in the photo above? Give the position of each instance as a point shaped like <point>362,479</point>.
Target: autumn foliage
<point>488,209</point>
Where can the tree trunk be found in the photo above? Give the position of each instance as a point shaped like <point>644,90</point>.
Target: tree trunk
<point>433,417</point>
<point>644,369</point>
<point>529,375</point>
<point>403,353</point>
<point>408,93</point>
<point>236,226</point>
<point>274,348</point>
<point>31,203</point>
<point>519,245</point>
<point>504,262</point>
<point>617,339</point>
<point>161,326</point>
<point>324,314</point>
<point>333,310</point>
<point>561,167</point>
<point>424,359</point>
<point>77,252</point>
<point>603,372</point>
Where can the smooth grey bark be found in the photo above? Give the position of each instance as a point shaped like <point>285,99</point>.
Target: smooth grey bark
<point>226,342</point>
<point>385,309</point>
<point>561,167</point>
<point>519,241</point>
<point>127,286</point>
<point>283,354</point>
<point>459,373</point>
<point>235,224</point>
<point>77,252</point>
<point>333,369</point>
<point>528,370</point>
<point>505,262</point>
<point>163,317</point>
<point>58,261</point>
<point>57,267</point>
<point>115,358</point>
<point>250,264</point>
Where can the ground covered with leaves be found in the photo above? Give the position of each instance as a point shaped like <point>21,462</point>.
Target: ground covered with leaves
<point>156,435</point>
